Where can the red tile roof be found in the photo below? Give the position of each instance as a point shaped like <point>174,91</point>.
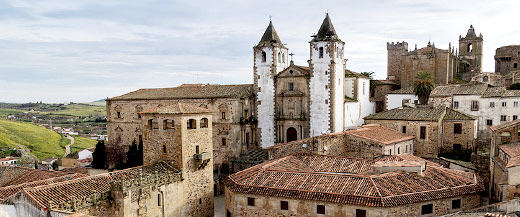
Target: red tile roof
<point>513,150</point>
<point>18,175</point>
<point>378,133</point>
<point>6,192</point>
<point>350,181</point>
<point>190,91</point>
<point>177,108</point>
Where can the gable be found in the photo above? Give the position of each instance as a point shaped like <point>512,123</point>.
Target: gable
<point>294,71</point>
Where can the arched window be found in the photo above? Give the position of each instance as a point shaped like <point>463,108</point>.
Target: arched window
<point>279,57</point>
<point>191,124</point>
<point>283,57</point>
<point>159,199</point>
<point>321,52</point>
<point>204,123</point>
<point>470,48</point>
<point>264,56</point>
<point>164,149</point>
<point>485,79</point>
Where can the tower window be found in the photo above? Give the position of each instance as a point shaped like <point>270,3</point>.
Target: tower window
<point>326,101</point>
<point>485,79</point>
<point>224,142</point>
<point>118,114</point>
<point>264,57</point>
<point>279,57</point>
<point>164,149</point>
<point>291,86</point>
<point>158,199</point>
<point>150,124</point>
<point>321,52</point>
<point>223,115</point>
<point>191,124</point>
<point>197,149</point>
<point>204,123</point>
<point>283,58</point>
<point>284,205</point>
<point>403,129</point>
<point>423,132</point>
<point>470,48</point>
<point>515,65</point>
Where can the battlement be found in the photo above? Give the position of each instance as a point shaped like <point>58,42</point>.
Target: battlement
<point>397,45</point>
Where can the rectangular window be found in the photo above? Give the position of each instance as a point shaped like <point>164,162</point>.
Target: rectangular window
<point>474,105</point>
<point>504,104</point>
<point>515,117</point>
<point>291,86</point>
<point>427,209</point>
<point>515,104</point>
<point>457,147</point>
<point>326,101</point>
<point>320,209</point>
<point>228,213</point>
<point>158,199</point>
<point>457,128</point>
<point>321,52</point>
<point>284,205</point>
<point>224,142</point>
<point>223,115</point>
<point>361,213</point>
<point>489,122</point>
<point>423,132</point>
<point>250,201</point>
<point>503,118</point>
<point>197,149</point>
<point>455,204</point>
<point>403,129</point>
<point>118,114</point>
<point>456,104</point>
<point>492,104</point>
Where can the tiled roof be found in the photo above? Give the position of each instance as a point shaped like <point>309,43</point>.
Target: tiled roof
<point>513,150</point>
<point>406,90</point>
<point>456,115</point>
<point>176,108</point>
<point>326,31</point>
<point>270,37</point>
<point>386,82</point>
<point>18,175</point>
<point>511,93</point>
<point>6,192</point>
<point>350,181</point>
<point>349,73</point>
<point>82,189</point>
<point>493,92</point>
<point>505,125</point>
<point>460,89</point>
<point>378,133</point>
<point>407,113</point>
<point>191,91</point>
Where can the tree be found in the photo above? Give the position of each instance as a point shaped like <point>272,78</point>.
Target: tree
<point>423,86</point>
<point>515,86</point>
<point>140,153</point>
<point>99,156</point>
<point>132,156</point>
<point>373,83</point>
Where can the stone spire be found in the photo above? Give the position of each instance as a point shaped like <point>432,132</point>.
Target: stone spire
<point>270,37</point>
<point>327,31</point>
<point>471,32</point>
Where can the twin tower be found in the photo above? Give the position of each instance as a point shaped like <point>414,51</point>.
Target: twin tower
<point>324,84</point>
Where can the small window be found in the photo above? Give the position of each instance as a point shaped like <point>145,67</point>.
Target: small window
<point>390,152</point>
<point>398,150</point>
<point>118,114</point>
<point>403,129</point>
<point>264,57</point>
<point>470,48</point>
<point>492,104</point>
<point>259,102</point>
<point>456,104</point>
<point>223,115</point>
<point>224,142</point>
<point>485,79</point>
<point>228,213</point>
<point>489,122</point>
<point>204,123</point>
<point>197,150</point>
<point>250,201</point>
<point>158,199</point>
<point>361,213</point>
<point>504,104</point>
<point>515,65</point>
<point>192,124</point>
<point>150,124</point>
<point>279,57</point>
<point>164,149</point>
<point>200,200</point>
<point>456,204</point>
<point>457,128</point>
<point>291,86</point>
<point>326,101</point>
<point>423,132</point>
<point>515,117</point>
<point>503,118</point>
<point>320,209</point>
<point>426,209</point>
<point>283,57</point>
<point>515,104</point>
<point>457,147</point>
<point>284,205</point>
<point>168,124</point>
<point>474,105</point>
<point>321,52</point>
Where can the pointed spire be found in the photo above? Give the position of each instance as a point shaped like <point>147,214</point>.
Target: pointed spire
<point>270,37</point>
<point>327,31</point>
<point>471,32</point>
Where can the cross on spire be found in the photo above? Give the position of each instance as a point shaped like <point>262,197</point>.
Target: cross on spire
<point>292,55</point>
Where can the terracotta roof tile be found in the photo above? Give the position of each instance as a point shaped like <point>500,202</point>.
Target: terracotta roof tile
<point>407,113</point>
<point>6,192</point>
<point>191,91</point>
<point>176,108</point>
<point>406,90</point>
<point>346,180</point>
<point>18,175</point>
<point>460,89</point>
<point>378,133</point>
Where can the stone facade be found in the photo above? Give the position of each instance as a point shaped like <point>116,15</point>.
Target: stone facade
<point>507,59</point>
<point>395,55</point>
<point>357,99</point>
<point>491,78</point>
<point>236,204</point>
<point>470,54</point>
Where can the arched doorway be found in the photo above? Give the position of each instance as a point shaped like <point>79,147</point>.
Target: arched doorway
<point>292,134</point>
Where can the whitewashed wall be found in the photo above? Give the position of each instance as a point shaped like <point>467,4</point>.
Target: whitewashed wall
<point>319,90</point>
<point>396,100</point>
<point>356,111</point>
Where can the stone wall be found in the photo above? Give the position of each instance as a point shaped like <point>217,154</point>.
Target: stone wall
<point>395,52</point>
<point>505,59</point>
<point>236,204</point>
<point>441,64</point>
<point>466,138</point>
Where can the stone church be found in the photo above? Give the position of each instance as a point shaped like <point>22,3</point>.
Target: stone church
<point>286,102</point>
<point>444,65</point>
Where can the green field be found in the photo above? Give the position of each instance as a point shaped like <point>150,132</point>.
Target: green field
<point>82,110</point>
<point>81,143</point>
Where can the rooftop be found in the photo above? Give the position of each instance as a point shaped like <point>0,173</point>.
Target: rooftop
<point>378,133</point>
<point>406,90</point>
<point>190,91</point>
<point>176,108</point>
<point>459,89</point>
<point>505,125</point>
<point>270,37</point>
<point>513,150</point>
<point>351,181</point>
<point>10,175</point>
<point>419,114</point>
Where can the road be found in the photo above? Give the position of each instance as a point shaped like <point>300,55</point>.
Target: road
<point>67,148</point>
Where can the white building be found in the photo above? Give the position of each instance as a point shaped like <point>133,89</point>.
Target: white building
<point>86,153</point>
<point>357,99</point>
<point>9,161</point>
<point>401,97</point>
<point>492,105</point>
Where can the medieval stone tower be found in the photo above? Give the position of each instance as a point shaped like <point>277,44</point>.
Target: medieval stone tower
<point>270,57</point>
<point>470,53</point>
<point>327,74</point>
<point>181,134</point>
<point>395,52</point>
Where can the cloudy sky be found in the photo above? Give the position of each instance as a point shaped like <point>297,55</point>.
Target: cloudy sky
<point>86,50</point>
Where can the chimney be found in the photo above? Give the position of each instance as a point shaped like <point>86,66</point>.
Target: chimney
<point>417,167</point>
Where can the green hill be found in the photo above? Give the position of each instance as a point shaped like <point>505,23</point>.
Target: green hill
<point>43,142</point>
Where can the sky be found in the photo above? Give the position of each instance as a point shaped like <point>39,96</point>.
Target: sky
<point>86,50</point>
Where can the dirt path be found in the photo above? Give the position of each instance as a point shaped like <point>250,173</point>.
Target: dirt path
<point>67,148</point>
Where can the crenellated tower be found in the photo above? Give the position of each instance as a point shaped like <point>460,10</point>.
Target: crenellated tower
<point>395,53</point>
<point>270,57</point>
<point>327,73</point>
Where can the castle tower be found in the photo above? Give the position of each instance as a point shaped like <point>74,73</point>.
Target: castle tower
<point>270,57</point>
<point>470,52</point>
<point>181,134</point>
<point>327,74</point>
<point>395,52</point>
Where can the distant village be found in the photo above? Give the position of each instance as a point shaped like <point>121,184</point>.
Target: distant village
<point>437,137</point>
